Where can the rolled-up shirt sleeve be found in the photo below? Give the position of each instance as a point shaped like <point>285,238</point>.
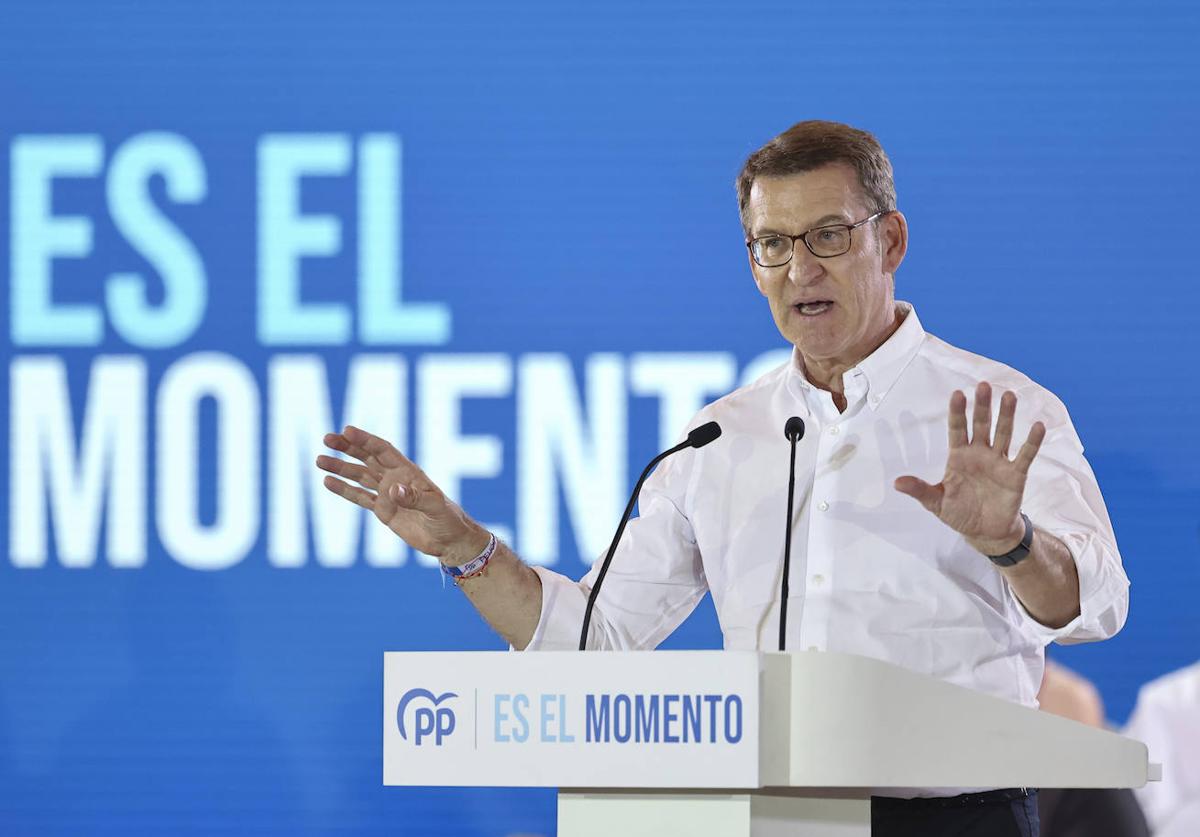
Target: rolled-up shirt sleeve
<point>655,581</point>
<point>1063,499</point>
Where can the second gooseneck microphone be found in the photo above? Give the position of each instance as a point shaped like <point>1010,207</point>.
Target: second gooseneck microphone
<point>698,438</point>
<point>793,430</point>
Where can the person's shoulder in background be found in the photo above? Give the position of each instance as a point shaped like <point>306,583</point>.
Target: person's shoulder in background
<point>1177,691</point>
<point>1167,718</point>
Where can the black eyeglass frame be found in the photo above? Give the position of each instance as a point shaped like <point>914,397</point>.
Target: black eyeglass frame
<point>804,237</point>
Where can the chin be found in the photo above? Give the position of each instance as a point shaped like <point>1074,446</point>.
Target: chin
<point>819,347</point>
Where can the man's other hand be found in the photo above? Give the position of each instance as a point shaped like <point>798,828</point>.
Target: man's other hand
<point>980,494</point>
<point>401,496</point>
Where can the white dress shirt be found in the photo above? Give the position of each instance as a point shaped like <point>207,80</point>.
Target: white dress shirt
<point>872,572</point>
<point>1167,719</point>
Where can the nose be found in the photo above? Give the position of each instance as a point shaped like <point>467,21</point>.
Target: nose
<point>804,268</point>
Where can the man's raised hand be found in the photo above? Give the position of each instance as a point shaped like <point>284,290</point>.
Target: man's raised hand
<point>980,494</point>
<point>401,496</point>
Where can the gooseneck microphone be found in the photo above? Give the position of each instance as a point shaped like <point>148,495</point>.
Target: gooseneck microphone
<point>698,438</point>
<point>793,430</point>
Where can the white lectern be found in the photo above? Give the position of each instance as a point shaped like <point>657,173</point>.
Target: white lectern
<point>722,743</point>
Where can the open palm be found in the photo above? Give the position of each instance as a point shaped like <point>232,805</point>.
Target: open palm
<point>401,496</point>
<point>980,494</point>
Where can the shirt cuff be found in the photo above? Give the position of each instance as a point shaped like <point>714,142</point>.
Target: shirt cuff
<point>1044,634</point>
<point>1103,600</point>
<point>561,619</point>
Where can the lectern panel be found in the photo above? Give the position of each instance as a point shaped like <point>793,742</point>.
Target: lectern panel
<point>565,719</point>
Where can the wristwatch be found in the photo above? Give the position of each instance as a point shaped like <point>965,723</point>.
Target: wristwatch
<point>1018,553</point>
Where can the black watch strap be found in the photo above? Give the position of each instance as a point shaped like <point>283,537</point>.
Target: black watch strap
<point>1020,552</point>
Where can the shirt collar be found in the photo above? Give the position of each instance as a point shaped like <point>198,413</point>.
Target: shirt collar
<point>880,369</point>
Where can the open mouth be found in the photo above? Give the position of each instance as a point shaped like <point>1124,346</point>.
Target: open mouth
<point>815,308</point>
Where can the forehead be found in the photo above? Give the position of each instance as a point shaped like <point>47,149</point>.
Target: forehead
<point>796,202</point>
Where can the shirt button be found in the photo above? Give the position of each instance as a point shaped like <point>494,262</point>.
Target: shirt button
<point>813,648</point>
<point>818,579</point>
<point>833,431</point>
<point>823,506</point>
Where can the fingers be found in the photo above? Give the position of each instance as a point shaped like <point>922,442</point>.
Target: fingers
<point>929,496</point>
<point>387,502</point>
<point>958,419</point>
<point>376,453</point>
<point>339,443</point>
<point>981,419</point>
<point>395,482</point>
<point>381,449</point>
<point>1004,423</point>
<point>350,470</point>
<point>353,493</point>
<point>1029,450</point>
<point>981,423</point>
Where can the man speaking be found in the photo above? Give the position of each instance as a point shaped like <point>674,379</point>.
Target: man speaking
<point>945,518</point>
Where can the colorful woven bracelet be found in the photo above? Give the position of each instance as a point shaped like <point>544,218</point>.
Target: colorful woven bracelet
<point>475,565</point>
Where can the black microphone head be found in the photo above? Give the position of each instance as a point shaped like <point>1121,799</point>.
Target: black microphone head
<point>704,434</point>
<point>793,431</point>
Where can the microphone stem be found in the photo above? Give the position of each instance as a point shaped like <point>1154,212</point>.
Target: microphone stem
<point>587,614</point>
<point>787,549</point>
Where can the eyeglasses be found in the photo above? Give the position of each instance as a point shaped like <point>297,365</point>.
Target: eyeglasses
<point>823,242</point>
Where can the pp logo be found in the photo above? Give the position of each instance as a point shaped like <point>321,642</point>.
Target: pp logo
<point>427,720</point>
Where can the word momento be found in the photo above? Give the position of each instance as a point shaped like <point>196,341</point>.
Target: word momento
<point>620,718</point>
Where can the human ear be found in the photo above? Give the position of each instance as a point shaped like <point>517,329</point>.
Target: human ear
<point>893,233</point>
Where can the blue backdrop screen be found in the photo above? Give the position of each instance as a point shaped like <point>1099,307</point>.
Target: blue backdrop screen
<point>505,237</point>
